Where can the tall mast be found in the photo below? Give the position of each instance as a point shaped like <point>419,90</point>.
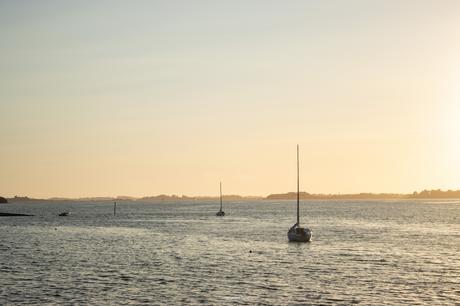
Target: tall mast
<point>298,192</point>
<point>220,196</point>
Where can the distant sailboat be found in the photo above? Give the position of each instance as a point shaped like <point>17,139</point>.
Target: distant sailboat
<point>297,233</point>
<point>220,213</point>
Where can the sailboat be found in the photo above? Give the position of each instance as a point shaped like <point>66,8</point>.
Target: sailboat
<point>297,233</point>
<point>220,213</point>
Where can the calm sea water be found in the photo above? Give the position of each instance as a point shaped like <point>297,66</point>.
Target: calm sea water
<point>362,252</point>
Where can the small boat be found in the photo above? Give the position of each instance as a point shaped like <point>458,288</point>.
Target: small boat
<point>297,233</point>
<point>220,213</point>
<point>64,214</point>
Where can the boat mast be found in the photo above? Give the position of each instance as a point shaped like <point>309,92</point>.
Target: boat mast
<point>220,185</point>
<point>298,192</point>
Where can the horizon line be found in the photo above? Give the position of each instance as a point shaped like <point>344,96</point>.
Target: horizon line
<point>184,196</point>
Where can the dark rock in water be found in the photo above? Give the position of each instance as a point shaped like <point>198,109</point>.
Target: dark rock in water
<point>2,214</point>
<point>3,200</point>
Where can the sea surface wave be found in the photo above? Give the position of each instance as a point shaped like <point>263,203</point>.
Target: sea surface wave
<point>362,252</point>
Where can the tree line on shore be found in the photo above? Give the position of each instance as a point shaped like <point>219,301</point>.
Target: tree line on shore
<point>425,194</point>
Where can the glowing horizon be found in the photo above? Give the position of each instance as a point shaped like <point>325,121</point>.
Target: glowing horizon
<point>166,97</point>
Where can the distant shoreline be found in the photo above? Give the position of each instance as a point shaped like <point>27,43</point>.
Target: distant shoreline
<point>425,194</point>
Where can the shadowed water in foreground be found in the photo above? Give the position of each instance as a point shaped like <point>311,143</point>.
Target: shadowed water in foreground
<point>181,253</point>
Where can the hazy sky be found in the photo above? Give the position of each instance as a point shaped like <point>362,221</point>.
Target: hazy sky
<point>147,97</point>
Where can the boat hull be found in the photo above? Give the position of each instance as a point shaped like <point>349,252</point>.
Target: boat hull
<point>299,234</point>
<point>220,213</point>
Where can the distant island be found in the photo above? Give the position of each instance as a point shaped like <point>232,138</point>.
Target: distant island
<point>164,197</point>
<point>425,194</point>
<point>309,196</point>
<point>436,194</point>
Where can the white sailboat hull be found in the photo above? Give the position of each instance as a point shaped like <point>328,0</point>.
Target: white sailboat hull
<point>299,234</point>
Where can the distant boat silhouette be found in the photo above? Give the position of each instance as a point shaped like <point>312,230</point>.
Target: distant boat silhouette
<point>220,213</point>
<point>64,214</point>
<point>297,233</point>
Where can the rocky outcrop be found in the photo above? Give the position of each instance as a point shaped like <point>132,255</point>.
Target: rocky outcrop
<point>2,214</point>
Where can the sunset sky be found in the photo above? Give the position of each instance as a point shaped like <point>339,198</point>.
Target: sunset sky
<point>107,98</point>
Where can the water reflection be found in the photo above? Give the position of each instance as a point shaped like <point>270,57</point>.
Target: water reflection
<point>180,253</point>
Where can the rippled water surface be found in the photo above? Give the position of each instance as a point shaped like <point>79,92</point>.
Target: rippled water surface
<point>181,253</point>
